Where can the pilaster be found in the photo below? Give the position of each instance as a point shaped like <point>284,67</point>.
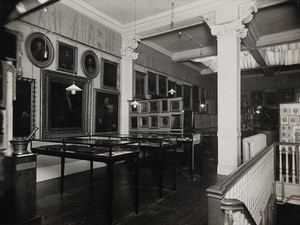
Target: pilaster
<point>129,45</point>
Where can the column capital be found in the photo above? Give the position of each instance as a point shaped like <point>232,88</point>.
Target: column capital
<point>245,15</point>
<point>129,44</point>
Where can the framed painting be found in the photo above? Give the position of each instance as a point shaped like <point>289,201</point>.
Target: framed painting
<point>162,85</point>
<point>64,114</point>
<point>164,122</point>
<point>175,106</point>
<point>152,83</point>
<point>176,122</point>
<point>178,90</point>
<point>154,122</point>
<point>66,57</point>
<point>24,107</point>
<point>164,106</point>
<point>133,122</point>
<point>257,98</point>
<point>106,111</point>
<point>144,107</point>
<point>110,75</point>
<point>90,64</point>
<point>186,97</point>
<point>144,121</point>
<point>154,106</point>
<point>286,96</point>
<point>140,85</point>
<point>271,98</point>
<point>39,50</point>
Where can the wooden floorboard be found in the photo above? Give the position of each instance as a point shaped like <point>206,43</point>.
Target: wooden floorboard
<point>82,203</point>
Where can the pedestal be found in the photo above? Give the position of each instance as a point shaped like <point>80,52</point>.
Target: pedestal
<point>18,189</point>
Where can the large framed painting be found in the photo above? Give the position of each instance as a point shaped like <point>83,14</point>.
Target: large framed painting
<point>186,97</point>
<point>90,64</point>
<point>152,83</point>
<point>110,74</point>
<point>39,50</point>
<point>286,96</point>
<point>64,114</point>
<point>66,57</point>
<point>106,111</point>
<point>24,107</point>
<point>162,85</point>
<point>140,85</point>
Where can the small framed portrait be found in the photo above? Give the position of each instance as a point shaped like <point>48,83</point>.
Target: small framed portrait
<point>67,57</point>
<point>154,121</point>
<point>110,74</point>
<point>154,106</point>
<point>133,122</point>
<point>164,121</point>
<point>175,106</point>
<point>257,98</point>
<point>271,98</point>
<point>144,107</point>
<point>162,85</point>
<point>186,97</point>
<point>178,90</point>
<point>90,64</point>
<point>286,96</point>
<point>152,83</point>
<point>39,50</point>
<point>144,121</point>
<point>140,85</point>
<point>164,106</point>
<point>176,122</point>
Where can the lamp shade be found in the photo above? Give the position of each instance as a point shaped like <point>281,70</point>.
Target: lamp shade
<point>134,104</point>
<point>73,88</point>
<point>172,91</point>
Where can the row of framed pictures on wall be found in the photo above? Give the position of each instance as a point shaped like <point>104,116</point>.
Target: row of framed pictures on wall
<point>155,84</point>
<point>158,106</point>
<point>173,121</point>
<point>272,98</point>
<point>41,53</point>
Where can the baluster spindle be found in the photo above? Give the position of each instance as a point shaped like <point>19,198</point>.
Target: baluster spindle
<point>293,165</point>
<point>287,164</point>
<point>280,163</point>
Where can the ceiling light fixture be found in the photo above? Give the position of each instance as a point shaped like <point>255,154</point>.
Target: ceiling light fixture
<point>172,91</point>
<point>73,88</point>
<point>135,104</point>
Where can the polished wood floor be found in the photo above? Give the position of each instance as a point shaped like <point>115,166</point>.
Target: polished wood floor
<point>83,203</point>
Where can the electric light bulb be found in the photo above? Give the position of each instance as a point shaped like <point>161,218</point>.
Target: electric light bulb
<point>46,54</point>
<point>134,106</point>
<point>73,92</point>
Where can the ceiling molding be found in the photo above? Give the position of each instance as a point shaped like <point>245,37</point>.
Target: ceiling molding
<point>250,41</point>
<point>93,13</point>
<point>194,53</point>
<point>279,38</point>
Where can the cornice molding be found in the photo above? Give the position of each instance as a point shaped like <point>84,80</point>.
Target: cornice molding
<point>158,48</point>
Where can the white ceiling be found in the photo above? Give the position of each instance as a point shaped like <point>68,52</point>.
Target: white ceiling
<point>277,22</point>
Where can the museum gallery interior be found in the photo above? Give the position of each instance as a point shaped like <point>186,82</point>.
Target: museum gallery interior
<point>150,112</point>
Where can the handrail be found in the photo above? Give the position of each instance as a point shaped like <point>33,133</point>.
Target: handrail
<point>218,190</point>
<point>237,205</point>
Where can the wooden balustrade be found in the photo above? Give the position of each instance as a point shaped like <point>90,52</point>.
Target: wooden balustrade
<point>252,185</point>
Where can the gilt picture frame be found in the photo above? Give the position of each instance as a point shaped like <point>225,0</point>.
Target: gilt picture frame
<point>39,50</point>
<point>110,75</point>
<point>90,64</point>
<point>66,57</point>
<point>64,114</point>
